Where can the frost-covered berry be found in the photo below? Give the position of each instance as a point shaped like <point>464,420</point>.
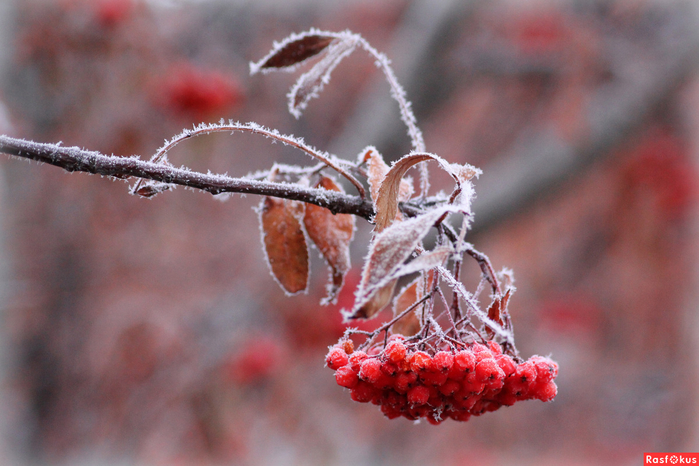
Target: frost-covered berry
<point>465,360</point>
<point>507,364</point>
<point>362,392</point>
<point>346,377</point>
<point>545,391</point>
<point>494,347</point>
<point>370,370</point>
<point>389,368</point>
<point>395,351</point>
<point>420,362</point>
<point>356,358</point>
<point>526,373</point>
<point>405,381</point>
<point>336,358</point>
<point>488,370</point>
<point>546,369</point>
<point>418,395</point>
<point>442,361</point>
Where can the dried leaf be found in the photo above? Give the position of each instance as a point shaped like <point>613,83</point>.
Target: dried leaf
<point>409,324</point>
<point>386,203</point>
<point>332,235</point>
<point>496,309</point>
<point>377,172</point>
<point>309,84</point>
<point>285,243</point>
<point>387,253</point>
<point>293,51</point>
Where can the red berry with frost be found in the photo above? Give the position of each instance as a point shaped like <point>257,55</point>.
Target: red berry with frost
<point>488,371</point>
<point>389,368</point>
<point>336,358</point>
<point>346,377</point>
<point>433,378</point>
<point>546,369</point>
<point>370,370</point>
<point>526,372</point>
<point>442,361</point>
<point>494,347</point>
<point>362,392</point>
<point>450,387</point>
<point>507,364</point>
<point>405,381</point>
<point>464,363</point>
<point>395,351</point>
<point>545,391</point>
<point>355,360</point>
<point>418,395</point>
<point>420,361</point>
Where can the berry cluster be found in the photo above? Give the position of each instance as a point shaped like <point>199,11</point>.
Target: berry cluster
<point>455,384</point>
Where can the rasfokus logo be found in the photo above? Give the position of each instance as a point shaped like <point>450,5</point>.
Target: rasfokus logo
<point>670,458</point>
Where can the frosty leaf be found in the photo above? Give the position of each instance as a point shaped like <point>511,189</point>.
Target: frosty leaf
<point>388,251</point>
<point>497,308</point>
<point>309,84</point>
<point>332,235</point>
<point>386,203</point>
<point>377,172</point>
<point>293,51</point>
<point>409,324</point>
<point>425,261</point>
<point>375,304</point>
<point>285,243</point>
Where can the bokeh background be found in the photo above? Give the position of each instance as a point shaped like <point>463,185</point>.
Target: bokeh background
<point>149,332</point>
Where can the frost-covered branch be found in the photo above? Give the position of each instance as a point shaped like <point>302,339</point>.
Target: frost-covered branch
<point>81,160</point>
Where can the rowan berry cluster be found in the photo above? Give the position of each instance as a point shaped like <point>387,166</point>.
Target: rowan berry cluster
<point>448,383</point>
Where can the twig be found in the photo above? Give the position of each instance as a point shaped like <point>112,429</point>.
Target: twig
<point>76,159</point>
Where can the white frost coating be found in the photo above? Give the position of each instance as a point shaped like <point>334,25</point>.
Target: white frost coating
<point>390,249</point>
<point>425,261</point>
<point>468,298</point>
<point>252,127</point>
<point>312,82</point>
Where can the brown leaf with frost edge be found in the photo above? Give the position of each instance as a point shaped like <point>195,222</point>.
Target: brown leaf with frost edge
<point>295,51</point>
<point>285,243</point>
<point>386,203</point>
<point>385,263</point>
<point>409,324</point>
<point>332,235</point>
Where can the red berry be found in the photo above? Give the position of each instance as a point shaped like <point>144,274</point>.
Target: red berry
<point>433,378</point>
<point>466,360</point>
<point>355,360</point>
<point>494,347</point>
<point>506,363</point>
<point>389,368</point>
<point>420,361</point>
<point>526,372</point>
<point>488,371</point>
<point>405,381</point>
<point>362,392</point>
<point>418,395</point>
<point>546,369</point>
<point>442,361</point>
<point>336,358</point>
<point>545,391</point>
<point>450,387</point>
<point>395,351</point>
<point>346,377</point>
<point>370,370</point>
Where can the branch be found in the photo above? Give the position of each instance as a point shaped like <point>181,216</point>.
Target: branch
<point>76,159</point>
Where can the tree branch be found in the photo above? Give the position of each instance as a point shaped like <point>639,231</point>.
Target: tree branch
<point>76,159</point>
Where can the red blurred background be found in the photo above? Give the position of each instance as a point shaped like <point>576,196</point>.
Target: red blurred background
<point>150,332</point>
